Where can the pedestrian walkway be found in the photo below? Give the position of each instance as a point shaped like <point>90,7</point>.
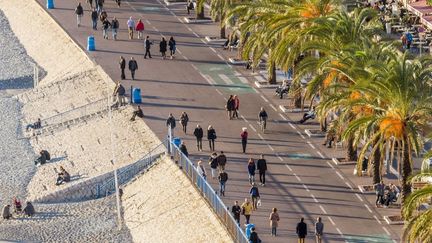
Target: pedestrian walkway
<point>300,183</point>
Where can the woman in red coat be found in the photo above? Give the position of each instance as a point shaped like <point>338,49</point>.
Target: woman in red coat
<point>139,28</point>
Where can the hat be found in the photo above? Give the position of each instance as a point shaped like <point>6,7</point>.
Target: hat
<point>244,128</point>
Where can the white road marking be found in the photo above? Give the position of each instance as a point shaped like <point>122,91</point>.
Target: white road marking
<point>314,198</point>
<point>202,40</point>
<point>270,147</point>
<point>260,78</point>
<point>244,119</point>
<point>194,67</point>
<point>195,34</point>
<point>301,135</point>
<point>147,21</point>
<point>376,218</point>
<point>359,197</point>
<point>283,117</point>
<point>226,79</point>
<point>213,50</point>
<point>306,188</point>
<point>181,21</point>
<point>253,128</point>
<point>289,168</point>
<point>331,221</point>
<point>330,165</point>
<point>243,80</point>
<point>273,107</point>
<point>237,74</point>
<point>186,58</point>
<point>340,175</point>
<point>339,231</point>
<point>221,57</point>
<point>311,145</point>
<point>155,28</point>
<point>368,208</point>
<point>219,92</point>
<point>208,79</point>
<point>385,229</point>
<point>178,50</point>
<point>280,158</point>
<point>260,136</point>
<point>189,29</point>
<point>320,154</point>
<point>256,91</point>
<point>346,183</point>
<point>322,209</point>
<point>298,178</point>
<point>264,98</point>
<point>292,126</point>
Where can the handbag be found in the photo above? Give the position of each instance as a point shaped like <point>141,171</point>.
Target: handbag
<point>259,202</point>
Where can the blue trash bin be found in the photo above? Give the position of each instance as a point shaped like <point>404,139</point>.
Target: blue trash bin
<point>248,230</point>
<point>177,141</point>
<point>91,46</point>
<point>50,4</point>
<point>136,96</point>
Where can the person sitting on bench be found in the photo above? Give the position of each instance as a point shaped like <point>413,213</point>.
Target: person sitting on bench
<point>138,113</point>
<point>44,156</point>
<point>63,176</point>
<point>308,115</point>
<point>283,89</point>
<point>36,125</point>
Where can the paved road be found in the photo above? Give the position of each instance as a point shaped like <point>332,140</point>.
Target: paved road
<point>300,182</point>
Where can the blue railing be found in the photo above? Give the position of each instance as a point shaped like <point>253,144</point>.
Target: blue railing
<point>208,193</point>
<point>125,174</point>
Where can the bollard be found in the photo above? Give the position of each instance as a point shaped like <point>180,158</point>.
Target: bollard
<point>136,95</point>
<point>50,4</point>
<point>91,43</point>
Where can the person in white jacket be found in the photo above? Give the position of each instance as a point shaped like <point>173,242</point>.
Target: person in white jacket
<point>201,170</point>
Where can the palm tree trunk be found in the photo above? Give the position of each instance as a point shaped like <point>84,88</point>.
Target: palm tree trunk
<point>376,164</point>
<point>351,153</point>
<point>272,73</point>
<point>200,12</point>
<point>406,170</point>
<point>323,124</point>
<point>222,32</point>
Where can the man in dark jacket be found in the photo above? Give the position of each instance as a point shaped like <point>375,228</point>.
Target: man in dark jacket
<point>122,64</point>
<point>198,133</point>
<point>222,160</point>
<point>236,210</point>
<point>94,17</point>
<point>120,92</point>
<point>171,122</point>
<point>79,11</point>
<point>301,231</point>
<point>253,238</point>
<point>147,45</point>
<point>114,27</point>
<point>138,113</point>
<point>223,178</point>
<point>262,167</point>
<point>133,66</point>
<point>183,149</point>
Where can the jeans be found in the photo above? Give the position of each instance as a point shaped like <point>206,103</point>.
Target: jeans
<point>211,144</point>
<point>244,143</point>
<point>199,143</point>
<point>379,199</point>
<point>262,177</point>
<point>273,231</point>
<point>213,172</point>
<point>251,179</point>
<point>147,52</point>
<point>79,19</point>
<point>247,218</point>
<point>114,33</point>
<point>94,24</point>
<point>254,200</point>
<point>237,218</point>
<point>105,34</point>
<point>133,74</point>
<point>222,187</point>
<point>123,76</point>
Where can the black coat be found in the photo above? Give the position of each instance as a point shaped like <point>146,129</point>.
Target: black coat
<point>94,15</point>
<point>163,46</point>
<point>171,44</point>
<point>211,134</point>
<point>230,105</point>
<point>254,237</point>
<point>301,230</point>
<point>122,64</point>
<point>198,132</point>
<point>262,165</point>
<point>133,65</point>
<point>171,122</point>
<point>183,149</point>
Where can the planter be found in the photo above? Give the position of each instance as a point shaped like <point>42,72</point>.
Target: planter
<point>285,108</point>
<point>265,84</point>
<point>394,220</point>
<point>366,189</point>
<point>236,61</point>
<point>215,40</point>
<point>192,20</point>
<point>316,133</point>
<point>342,161</point>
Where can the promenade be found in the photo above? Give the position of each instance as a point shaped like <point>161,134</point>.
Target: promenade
<point>301,182</point>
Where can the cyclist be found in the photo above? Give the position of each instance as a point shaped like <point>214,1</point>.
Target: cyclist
<point>263,118</point>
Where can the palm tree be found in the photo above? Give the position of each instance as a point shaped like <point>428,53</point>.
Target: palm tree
<point>218,10</point>
<point>419,226</point>
<point>200,9</point>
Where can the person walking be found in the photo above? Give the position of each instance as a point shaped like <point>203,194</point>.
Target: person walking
<point>105,26</point>
<point>222,160</point>
<point>251,171</point>
<point>213,164</point>
<point>201,170</point>
<point>139,29</point>
<point>379,191</point>
<point>230,106</point>
<point>120,92</point>
<point>79,11</point>
<point>147,46</point>
<point>223,178</point>
<point>262,117</point>
<point>131,26</point>
<point>236,106</point>
<point>6,213</point>
<point>118,3</point>
<point>301,231</point>
<point>114,27</point>
<point>255,196</point>
<point>274,219</point>
<point>253,238</point>
<point>171,122</point>
<point>319,230</point>
<point>99,5</point>
<point>122,65</point>
<point>163,47</point>
<point>133,66</point>
<point>247,210</point>
<point>183,149</point>
<point>172,46</point>
<point>184,119</point>
<point>236,211</point>
<point>94,18</point>
<point>262,168</point>
<point>244,137</point>
<point>90,2</point>
<point>198,133</point>
<point>211,136</point>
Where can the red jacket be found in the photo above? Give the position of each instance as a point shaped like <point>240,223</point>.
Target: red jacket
<point>139,26</point>
<point>236,103</point>
<point>244,135</point>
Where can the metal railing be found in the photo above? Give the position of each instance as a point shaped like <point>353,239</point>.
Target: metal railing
<point>125,174</point>
<point>208,193</point>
